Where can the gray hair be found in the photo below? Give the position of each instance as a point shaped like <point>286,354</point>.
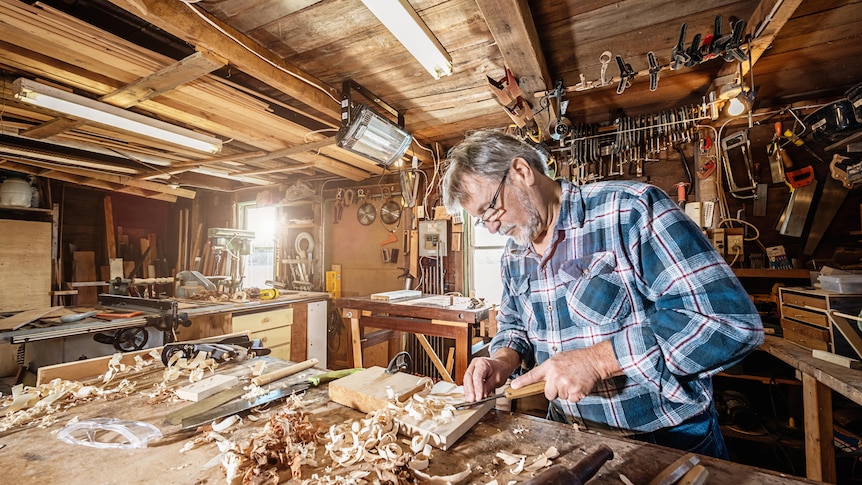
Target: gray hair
<point>486,154</point>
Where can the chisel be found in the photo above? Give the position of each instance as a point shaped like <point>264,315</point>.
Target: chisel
<point>509,393</point>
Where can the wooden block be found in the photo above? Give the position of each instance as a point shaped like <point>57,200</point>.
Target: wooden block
<point>837,359</point>
<point>206,387</point>
<point>365,391</point>
<point>445,435</point>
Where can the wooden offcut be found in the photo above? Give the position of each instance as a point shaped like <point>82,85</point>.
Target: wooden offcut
<point>206,387</point>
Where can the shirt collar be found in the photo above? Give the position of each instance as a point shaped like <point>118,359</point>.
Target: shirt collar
<point>572,210</point>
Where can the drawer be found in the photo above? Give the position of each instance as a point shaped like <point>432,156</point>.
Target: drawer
<point>790,298</point>
<point>807,316</point>
<point>814,333</point>
<point>281,352</point>
<point>256,322</point>
<point>274,337</point>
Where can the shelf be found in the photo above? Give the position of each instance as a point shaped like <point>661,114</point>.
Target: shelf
<point>857,136</point>
<point>772,273</point>
<point>761,379</point>
<point>25,213</point>
<point>303,225</point>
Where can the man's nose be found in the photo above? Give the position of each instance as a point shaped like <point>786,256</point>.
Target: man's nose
<point>493,226</point>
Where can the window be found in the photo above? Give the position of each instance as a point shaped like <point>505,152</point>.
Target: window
<point>260,264</point>
<point>485,252</point>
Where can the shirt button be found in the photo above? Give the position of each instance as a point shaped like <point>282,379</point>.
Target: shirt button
<point>554,348</point>
<point>550,308</point>
<point>586,272</point>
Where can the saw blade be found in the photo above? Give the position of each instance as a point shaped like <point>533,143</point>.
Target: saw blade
<point>241,405</point>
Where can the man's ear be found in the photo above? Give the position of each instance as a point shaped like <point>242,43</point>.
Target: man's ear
<point>523,172</point>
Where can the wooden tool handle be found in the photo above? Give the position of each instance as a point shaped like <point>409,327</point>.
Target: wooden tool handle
<point>531,390</point>
<point>287,371</point>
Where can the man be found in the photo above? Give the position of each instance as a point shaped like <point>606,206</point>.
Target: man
<point>612,296</point>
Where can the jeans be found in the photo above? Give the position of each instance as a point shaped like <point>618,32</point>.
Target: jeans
<point>698,434</point>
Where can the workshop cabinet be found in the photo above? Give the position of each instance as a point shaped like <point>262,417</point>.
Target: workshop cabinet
<point>805,318</point>
<point>273,328</point>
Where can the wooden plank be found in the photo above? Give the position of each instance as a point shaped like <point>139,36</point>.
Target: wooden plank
<point>110,241</point>
<point>20,319</point>
<point>514,31</point>
<point>25,245</point>
<point>206,387</point>
<point>177,19</point>
<point>84,369</point>
<point>819,446</point>
<point>84,269</point>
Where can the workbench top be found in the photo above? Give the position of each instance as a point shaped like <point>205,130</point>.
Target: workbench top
<point>35,455</point>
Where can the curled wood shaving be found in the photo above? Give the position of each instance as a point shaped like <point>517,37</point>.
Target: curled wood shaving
<point>444,480</point>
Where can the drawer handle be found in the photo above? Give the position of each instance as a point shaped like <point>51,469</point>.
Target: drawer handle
<point>263,339</point>
<point>265,320</point>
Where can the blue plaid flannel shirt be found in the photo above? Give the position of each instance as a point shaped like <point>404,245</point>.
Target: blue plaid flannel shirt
<point>626,264</point>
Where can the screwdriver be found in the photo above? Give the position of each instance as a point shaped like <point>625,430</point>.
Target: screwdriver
<point>509,393</point>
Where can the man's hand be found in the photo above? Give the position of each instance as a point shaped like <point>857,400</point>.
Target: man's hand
<point>485,375</point>
<point>573,374</point>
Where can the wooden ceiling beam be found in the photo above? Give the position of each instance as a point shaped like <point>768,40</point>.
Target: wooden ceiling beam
<point>179,73</point>
<point>768,18</point>
<point>202,30</point>
<point>511,23</point>
<point>118,182</point>
<point>28,167</point>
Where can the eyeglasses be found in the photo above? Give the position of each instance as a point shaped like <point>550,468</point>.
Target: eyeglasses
<point>489,211</point>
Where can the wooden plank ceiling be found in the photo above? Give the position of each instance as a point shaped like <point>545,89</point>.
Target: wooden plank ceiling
<point>265,76</point>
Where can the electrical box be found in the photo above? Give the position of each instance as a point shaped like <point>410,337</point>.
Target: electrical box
<point>432,238</point>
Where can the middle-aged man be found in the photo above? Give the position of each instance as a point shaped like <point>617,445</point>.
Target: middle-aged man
<point>612,296</point>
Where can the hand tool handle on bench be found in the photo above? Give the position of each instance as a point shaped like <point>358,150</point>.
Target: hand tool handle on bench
<point>282,373</point>
<point>530,390</point>
<point>579,474</point>
<point>77,317</point>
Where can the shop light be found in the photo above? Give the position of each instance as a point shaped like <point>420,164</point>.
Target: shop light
<point>406,25</point>
<point>87,109</point>
<point>368,134</point>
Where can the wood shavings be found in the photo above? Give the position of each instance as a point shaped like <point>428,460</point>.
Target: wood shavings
<point>519,430</point>
<point>226,423</point>
<point>509,458</point>
<point>287,442</point>
<point>444,480</point>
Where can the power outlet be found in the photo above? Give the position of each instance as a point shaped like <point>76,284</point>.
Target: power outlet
<point>734,246</point>
<point>718,240</point>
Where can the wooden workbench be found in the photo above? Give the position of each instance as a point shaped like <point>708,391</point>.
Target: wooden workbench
<point>819,378</point>
<point>34,455</point>
<point>419,318</point>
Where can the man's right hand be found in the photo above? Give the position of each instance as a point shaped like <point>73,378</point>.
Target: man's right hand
<point>485,375</point>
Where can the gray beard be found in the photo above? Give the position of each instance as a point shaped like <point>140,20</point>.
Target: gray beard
<point>526,233</point>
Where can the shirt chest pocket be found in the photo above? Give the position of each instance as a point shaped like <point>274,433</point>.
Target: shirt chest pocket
<point>594,291</point>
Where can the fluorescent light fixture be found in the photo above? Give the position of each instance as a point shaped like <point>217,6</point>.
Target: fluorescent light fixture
<point>54,99</point>
<point>406,25</point>
<point>372,136</point>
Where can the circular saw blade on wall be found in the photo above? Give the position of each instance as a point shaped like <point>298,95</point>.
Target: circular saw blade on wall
<point>366,213</point>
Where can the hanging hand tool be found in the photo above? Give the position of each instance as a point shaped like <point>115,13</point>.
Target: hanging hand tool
<point>733,49</point>
<point>693,52</point>
<point>627,75</point>
<point>679,56</point>
<point>604,59</point>
<point>654,70</point>
<point>339,206</point>
<point>509,95</point>
<point>579,474</point>
<point>713,45</point>
<point>530,390</point>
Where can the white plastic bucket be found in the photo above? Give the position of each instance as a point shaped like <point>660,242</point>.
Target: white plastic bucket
<point>15,192</point>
